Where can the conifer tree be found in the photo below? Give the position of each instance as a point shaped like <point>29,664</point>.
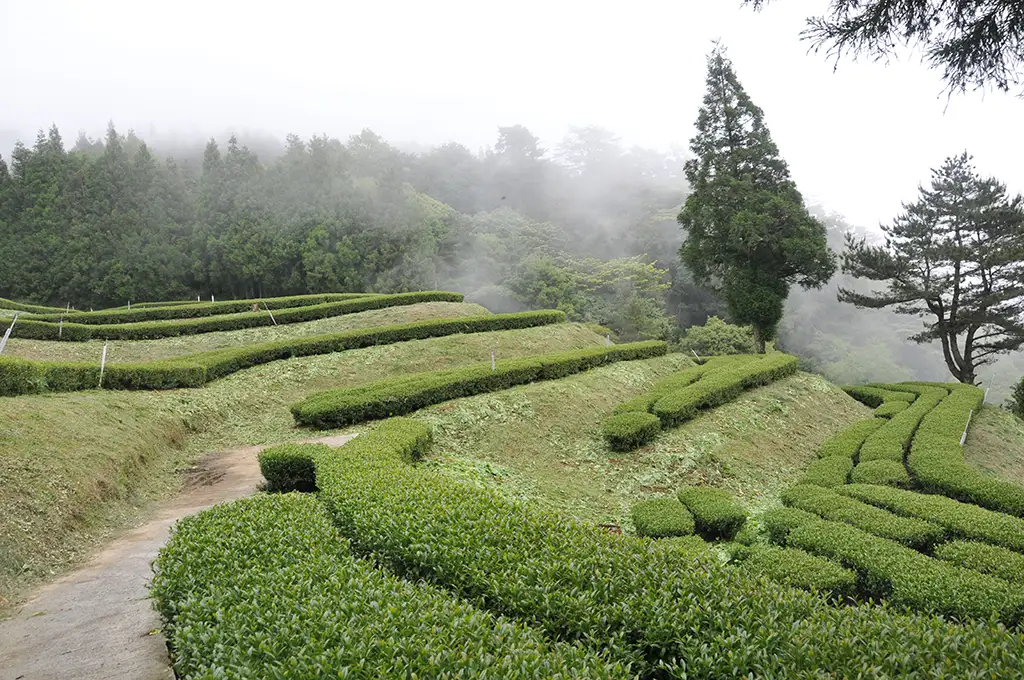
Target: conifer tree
<point>955,256</point>
<point>748,233</point>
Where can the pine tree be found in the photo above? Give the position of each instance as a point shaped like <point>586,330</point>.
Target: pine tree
<point>748,234</point>
<point>955,255</point>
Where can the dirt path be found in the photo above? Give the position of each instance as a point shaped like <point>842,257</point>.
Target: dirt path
<point>97,623</point>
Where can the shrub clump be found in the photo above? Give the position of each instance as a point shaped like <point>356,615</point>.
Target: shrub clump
<point>891,441</point>
<point>778,522</point>
<point>883,472</point>
<point>630,430</point>
<point>890,408</point>
<point>988,559</point>
<point>828,472</point>
<point>661,518</point>
<point>798,569</point>
<point>874,396</point>
<point>716,338</point>
<point>847,441</point>
<point>715,511</point>
<point>289,467</point>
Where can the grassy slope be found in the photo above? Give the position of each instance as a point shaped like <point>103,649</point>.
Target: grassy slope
<point>542,441</point>
<point>995,444</point>
<point>76,466</point>
<point>122,351</point>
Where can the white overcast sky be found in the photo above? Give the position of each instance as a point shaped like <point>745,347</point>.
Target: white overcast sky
<point>858,140</point>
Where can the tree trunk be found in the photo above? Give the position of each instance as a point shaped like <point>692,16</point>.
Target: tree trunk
<point>758,339</point>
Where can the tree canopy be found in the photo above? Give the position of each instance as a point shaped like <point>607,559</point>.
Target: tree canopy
<point>954,256</point>
<point>748,233</point>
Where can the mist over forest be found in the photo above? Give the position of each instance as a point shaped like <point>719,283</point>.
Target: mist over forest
<point>587,226</point>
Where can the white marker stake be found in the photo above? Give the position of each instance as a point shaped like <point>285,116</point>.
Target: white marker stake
<point>7,334</point>
<point>963,437</point>
<point>695,354</point>
<point>493,367</point>
<point>270,313</point>
<point>60,328</point>
<point>129,305</point>
<point>608,339</point>
<point>68,311</point>
<point>211,298</point>
<point>198,299</point>
<point>103,363</point>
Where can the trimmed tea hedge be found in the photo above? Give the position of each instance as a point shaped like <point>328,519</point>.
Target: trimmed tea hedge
<point>892,440</point>
<point>914,533</point>
<point>661,518</point>
<point>676,381</point>
<point>673,612</point>
<point>289,467</point>
<point>22,307</point>
<point>721,386</point>
<point>876,396</point>
<point>715,512</point>
<point>884,472</point>
<point>265,587</point>
<point>799,569</point>
<point>890,408</point>
<point>72,330</point>
<point>847,441</point>
<point>199,309</point>
<point>959,519</point>
<point>408,393</point>
<point>903,576</point>
<point>828,472</point>
<point>630,430</point>
<point>194,370</point>
<point>988,559</point>
<point>778,522</point>
<point>936,458</point>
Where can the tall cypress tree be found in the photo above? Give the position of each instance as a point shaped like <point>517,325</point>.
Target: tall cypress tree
<point>748,233</point>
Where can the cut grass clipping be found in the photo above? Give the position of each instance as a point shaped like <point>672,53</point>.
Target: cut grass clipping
<point>673,612</point>
<point>661,518</point>
<point>18,376</point>
<point>70,330</point>
<point>405,394</point>
<point>266,587</point>
<point>716,512</point>
<point>630,430</point>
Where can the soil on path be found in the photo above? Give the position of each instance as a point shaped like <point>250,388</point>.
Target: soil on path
<point>97,623</point>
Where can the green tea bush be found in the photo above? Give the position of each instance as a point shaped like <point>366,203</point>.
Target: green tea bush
<point>661,518</point>
<point>847,441</point>
<point>408,393</point>
<point>903,576</point>
<point>715,511</point>
<point>289,467</point>
<point>799,569</point>
<point>18,376</point>
<point>22,307</point>
<point>988,559</point>
<point>630,430</point>
<point>671,612</point>
<point>959,519</point>
<point>890,408</point>
<point>826,503</point>
<point>876,396</point>
<point>716,338</point>
<point>778,522</point>
<point>884,472</point>
<point>828,472</point>
<point>936,458</point>
<point>722,386</point>
<point>891,440</point>
<point>194,370</point>
<point>265,587</point>
<point>677,380</point>
<point>73,330</point>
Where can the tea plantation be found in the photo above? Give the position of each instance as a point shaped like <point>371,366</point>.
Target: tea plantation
<point>524,499</point>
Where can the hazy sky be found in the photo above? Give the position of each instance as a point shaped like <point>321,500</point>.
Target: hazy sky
<point>858,140</point>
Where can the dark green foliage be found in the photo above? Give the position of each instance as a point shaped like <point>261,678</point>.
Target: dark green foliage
<point>747,230</point>
<point>48,330</point>
<point>778,522</point>
<point>828,472</point>
<point>847,442</point>
<point>715,511</point>
<point>266,587</point>
<point>876,396</point>
<point>826,503</point>
<point>18,376</point>
<point>959,519</point>
<point>194,370</point>
<point>1015,402</point>
<point>883,472</point>
<point>408,393</point>
<point>892,440</point>
<point>630,430</point>
<point>661,518</point>
<point>954,258</point>
<point>903,576</point>
<point>717,338</point>
<point>889,409</point>
<point>721,386</point>
<point>289,467</point>
<point>988,559</point>
<point>796,568</point>
<point>936,458</point>
<point>671,612</point>
<point>21,307</point>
